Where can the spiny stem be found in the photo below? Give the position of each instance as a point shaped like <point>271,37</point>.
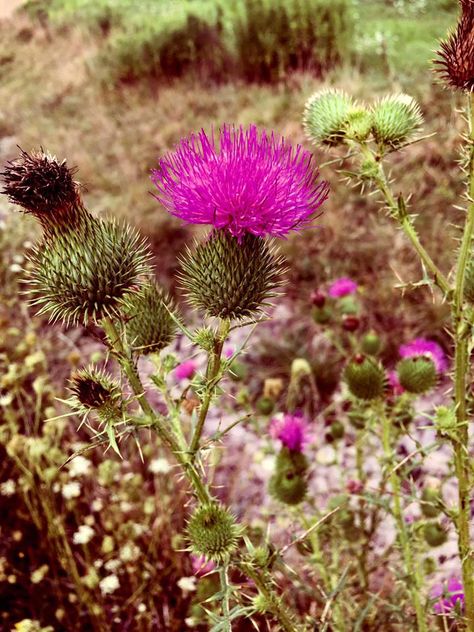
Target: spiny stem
<point>405,221</point>
<point>461,367</point>
<point>411,567</point>
<point>213,368</point>
<point>225,590</point>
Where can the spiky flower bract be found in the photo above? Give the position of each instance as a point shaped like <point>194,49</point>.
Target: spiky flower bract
<point>455,60</point>
<point>149,326</point>
<point>365,378</point>
<point>395,119</point>
<point>231,278</point>
<point>417,374</point>
<point>213,532</point>
<point>289,483</point>
<point>44,187</point>
<point>95,390</point>
<point>326,116</point>
<point>428,348</point>
<point>84,273</point>
<point>253,182</point>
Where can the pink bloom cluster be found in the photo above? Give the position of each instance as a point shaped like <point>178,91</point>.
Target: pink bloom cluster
<point>291,430</point>
<point>342,287</point>
<point>253,182</point>
<point>428,348</point>
<point>449,597</point>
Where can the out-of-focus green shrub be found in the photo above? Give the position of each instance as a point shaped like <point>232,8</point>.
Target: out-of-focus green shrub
<point>276,37</point>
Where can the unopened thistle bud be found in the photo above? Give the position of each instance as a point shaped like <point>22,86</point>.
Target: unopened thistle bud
<point>371,343</point>
<point>430,500</point>
<point>456,56</point>
<point>326,115</point>
<point>93,390</point>
<point>149,326</point>
<point>84,273</point>
<point>358,125</point>
<point>417,374</point>
<point>231,277</point>
<point>213,532</point>
<point>289,484</point>
<point>395,120</point>
<point>365,378</point>
<point>434,534</point>
<point>44,187</point>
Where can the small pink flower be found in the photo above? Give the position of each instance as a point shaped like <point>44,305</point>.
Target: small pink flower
<point>201,565</point>
<point>428,348</point>
<point>449,596</point>
<point>342,287</point>
<point>292,431</point>
<point>185,370</point>
<point>228,352</point>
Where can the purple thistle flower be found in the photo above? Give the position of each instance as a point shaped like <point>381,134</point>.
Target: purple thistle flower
<point>342,287</point>
<point>201,565</point>
<point>291,430</point>
<point>185,370</point>
<point>253,183</point>
<point>428,348</point>
<point>448,597</point>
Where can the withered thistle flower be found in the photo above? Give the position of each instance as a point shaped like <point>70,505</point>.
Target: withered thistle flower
<point>44,187</point>
<point>93,390</point>
<point>228,278</point>
<point>455,60</point>
<point>253,182</point>
<point>83,267</point>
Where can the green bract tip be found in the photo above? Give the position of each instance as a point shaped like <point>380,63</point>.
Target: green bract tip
<point>365,378</point>
<point>395,120</point>
<point>213,532</point>
<point>417,374</point>
<point>326,115</point>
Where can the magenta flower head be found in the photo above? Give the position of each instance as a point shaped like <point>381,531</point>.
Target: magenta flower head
<point>342,287</point>
<point>252,182</point>
<point>291,430</point>
<point>428,348</point>
<point>185,370</point>
<point>449,597</point>
<point>201,565</point>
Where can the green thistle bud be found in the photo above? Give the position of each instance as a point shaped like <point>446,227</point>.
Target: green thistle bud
<point>149,326</point>
<point>262,604</point>
<point>417,374</point>
<point>204,338</point>
<point>326,115</point>
<point>288,484</point>
<point>84,273</point>
<point>94,390</point>
<point>430,499</point>
<point>265,405</point>
<point>365,378</point>
<point>348,305</point>
<point>44,187</point>
<point>231,278</point>
<point>434,534</point>
<point>213,532</point>
<point>358,124</point>
<point>371,343</point>
<point>369,169</point>
<point>336,430</point>
<point>395,119</point>
<point>321,315</point>
<point>445,421</point>
<point>237,371</point>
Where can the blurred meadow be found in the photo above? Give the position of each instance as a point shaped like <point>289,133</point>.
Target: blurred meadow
<point>94,543</point>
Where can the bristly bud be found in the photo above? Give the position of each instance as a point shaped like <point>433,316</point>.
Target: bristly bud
<point>149,327</point>
<point>44,187</point>
<point>430,502</point>
<point>94,390</point>
<point>84,273</point>
<point>326,115</point>
<point>455,60</point>
<point>358,125</point>
<point>232,278</point>
<point>435,534</point>
<point>417,374</point>
<point>365,378</point>
<point>213,532</point>
<point>371,343</point>
<point>289,484</point>
<point>395,120</point>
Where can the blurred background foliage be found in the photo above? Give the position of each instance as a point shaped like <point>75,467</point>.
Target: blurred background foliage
<point>112,85</point>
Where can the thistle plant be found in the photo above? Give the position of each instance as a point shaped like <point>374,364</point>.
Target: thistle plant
<point>249,187</point>
<point>395,122</point>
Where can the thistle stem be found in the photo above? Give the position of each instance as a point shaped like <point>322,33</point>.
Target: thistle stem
<point>411,568</point>
<point>461,367</point>
<point>404,219</point>
<point>225,591</point>
<point>213,368</point>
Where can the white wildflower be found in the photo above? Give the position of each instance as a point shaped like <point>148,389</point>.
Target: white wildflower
<point>187,584</point>
<point>83,535</point>
<point>109,584</point>
<point>8,488</point>
<point>71,490</point>
<point>129,552</point>
<point>79,466</point>
<point>159,466</point>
